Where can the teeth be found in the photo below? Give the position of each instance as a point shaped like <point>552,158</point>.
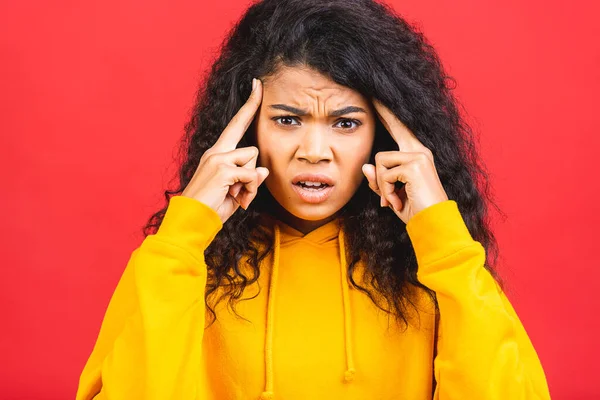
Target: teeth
<point>317,184</point>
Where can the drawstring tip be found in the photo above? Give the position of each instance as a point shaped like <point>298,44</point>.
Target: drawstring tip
<point>267,395</point>
<point>349,375</point>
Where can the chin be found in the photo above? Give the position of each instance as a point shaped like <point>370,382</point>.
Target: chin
<point>310,212</point>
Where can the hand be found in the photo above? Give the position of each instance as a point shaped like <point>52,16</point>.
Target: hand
<point>412,165</point>
<point>226,177</point>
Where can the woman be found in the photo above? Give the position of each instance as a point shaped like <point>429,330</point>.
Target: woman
<point>356,268</point>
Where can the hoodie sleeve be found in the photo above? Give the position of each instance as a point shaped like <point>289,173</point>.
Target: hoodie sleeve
<point>150,341</point>
<point>483,350</point>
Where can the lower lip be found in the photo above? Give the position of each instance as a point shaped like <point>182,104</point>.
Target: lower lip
<point>311,195</point>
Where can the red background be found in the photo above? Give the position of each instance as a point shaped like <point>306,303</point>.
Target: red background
<point>93,99</point>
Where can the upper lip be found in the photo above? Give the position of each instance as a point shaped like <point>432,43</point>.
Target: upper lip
<point>313,178</point>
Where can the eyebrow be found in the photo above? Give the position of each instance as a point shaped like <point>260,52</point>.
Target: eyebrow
<point>335,113</point>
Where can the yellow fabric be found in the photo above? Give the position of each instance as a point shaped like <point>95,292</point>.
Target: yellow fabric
<point>305,333</point>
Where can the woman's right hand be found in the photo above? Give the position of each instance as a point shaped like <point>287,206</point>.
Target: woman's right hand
<point>226,177</point>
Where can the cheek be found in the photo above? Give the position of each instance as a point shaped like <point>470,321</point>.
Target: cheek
<point>272,150</point>
<point>263,142</point>
<point>355,157</point>
<point>358,152</point>
<point>366,149</point>
<point>272,156</point>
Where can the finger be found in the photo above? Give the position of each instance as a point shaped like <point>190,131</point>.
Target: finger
<point>401,193</point>
<point>369,172</point>
<point>251,164</point>
<point>390,159</point>
<point>234,131</point>
<point>387,160</point>
<point>262,175</point>
<point>244,157</point>
<point>248,189</point>
<point>238,157</point>
<point>236,201</point>
<point>234,190</point>
<point>232,175</point>
<point>379,169</point>
<point>406,140</point>
<point>388,188</point>
<point>249,194</point>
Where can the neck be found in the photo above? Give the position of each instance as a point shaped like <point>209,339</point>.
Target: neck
<point>305,226</point>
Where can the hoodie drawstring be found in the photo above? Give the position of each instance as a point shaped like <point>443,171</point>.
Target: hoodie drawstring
<point>350,371</point>
<point>268,393</point>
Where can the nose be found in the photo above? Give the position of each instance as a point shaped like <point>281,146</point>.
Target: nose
<point>314,145</point>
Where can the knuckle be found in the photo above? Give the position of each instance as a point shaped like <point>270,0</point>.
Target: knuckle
<point>235,119</point>
<point>414,167</point>
<point>252,176</point>
<point>424,156</point>
<point>221,168</point>
<point>211,156</point>
<point>385,176</point>
<point>207,154</point>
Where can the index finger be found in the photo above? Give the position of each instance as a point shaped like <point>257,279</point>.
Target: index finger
<point>407,141</point>
<point>235,129</point>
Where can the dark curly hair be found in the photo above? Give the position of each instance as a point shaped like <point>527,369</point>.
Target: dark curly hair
<point>367,47</point>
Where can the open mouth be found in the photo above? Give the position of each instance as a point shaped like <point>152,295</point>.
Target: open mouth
<point>312,186</point>
<point>313,192</point>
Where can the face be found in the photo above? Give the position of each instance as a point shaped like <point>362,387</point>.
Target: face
<point>308,124</point>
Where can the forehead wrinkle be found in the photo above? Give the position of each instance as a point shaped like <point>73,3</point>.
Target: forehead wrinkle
<point>313,94</point>
<point>322,98</point>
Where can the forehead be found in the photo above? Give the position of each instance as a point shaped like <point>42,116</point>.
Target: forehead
<point>303,85</point>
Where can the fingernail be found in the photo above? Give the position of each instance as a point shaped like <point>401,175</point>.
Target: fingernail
<point>253,84</point>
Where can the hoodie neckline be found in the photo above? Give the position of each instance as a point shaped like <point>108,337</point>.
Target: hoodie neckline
<point>325,234</point>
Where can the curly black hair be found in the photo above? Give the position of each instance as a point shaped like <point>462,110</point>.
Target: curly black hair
<point>368,47</point>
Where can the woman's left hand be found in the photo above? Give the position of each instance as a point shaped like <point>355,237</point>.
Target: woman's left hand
<point>412,164</point>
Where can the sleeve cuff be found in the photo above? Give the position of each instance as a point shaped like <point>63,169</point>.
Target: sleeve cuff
<point>437,231</point>
<point>189,224</point>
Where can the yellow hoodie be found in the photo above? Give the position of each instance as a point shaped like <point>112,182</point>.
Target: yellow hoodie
<point>307,333</point>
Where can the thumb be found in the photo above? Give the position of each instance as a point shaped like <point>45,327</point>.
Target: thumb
<point>234,189</point>
<point>369,172</point>
<point>262,174</point>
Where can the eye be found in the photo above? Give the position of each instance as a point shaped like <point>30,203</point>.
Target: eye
<point>348,124</point>
<point>285,120</point>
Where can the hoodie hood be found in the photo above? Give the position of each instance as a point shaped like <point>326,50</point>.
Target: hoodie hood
<point>285,235</point>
